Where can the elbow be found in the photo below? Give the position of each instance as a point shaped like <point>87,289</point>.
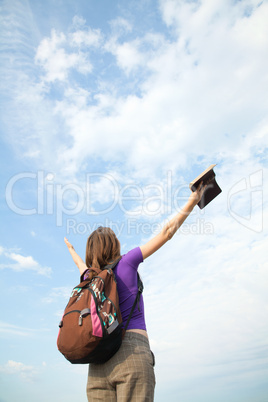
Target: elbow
<point>167,233</point>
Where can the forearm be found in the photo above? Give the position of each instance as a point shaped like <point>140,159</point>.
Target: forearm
<point>168,230</point>
<point>174,224</point>
<point>78,260</point>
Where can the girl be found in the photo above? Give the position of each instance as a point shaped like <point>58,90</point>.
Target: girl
<point>129,374</point>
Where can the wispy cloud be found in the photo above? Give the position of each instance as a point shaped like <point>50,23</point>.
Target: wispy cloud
<point>23,263</point>
<point>57,294</point>
<point>25,372</point>
<point>8,330</point>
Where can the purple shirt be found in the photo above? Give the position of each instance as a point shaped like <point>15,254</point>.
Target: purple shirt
<point>127,287</point>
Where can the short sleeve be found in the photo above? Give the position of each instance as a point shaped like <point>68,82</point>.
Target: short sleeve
<point>134,257</point>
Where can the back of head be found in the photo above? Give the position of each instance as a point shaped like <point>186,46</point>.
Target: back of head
<point>102,247</point>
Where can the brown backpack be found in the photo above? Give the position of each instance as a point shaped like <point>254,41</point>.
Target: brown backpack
<point>91,326</point>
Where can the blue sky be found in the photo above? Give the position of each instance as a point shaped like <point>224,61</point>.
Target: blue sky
<point>108,110</point>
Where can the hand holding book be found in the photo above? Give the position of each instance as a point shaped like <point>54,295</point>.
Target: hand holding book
<point>205,181</point>
<point>196,195</point>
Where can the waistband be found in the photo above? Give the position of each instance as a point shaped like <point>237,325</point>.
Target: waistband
<point>134,336</point>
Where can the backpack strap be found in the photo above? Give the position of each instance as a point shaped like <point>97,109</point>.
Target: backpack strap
<point>98,270</point>
<point>137,300</point>
<point>113,265</point>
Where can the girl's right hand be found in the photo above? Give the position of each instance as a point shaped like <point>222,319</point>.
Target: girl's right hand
<point>198,193</point>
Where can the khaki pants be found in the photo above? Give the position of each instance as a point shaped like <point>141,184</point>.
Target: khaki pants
<point>127,377</point>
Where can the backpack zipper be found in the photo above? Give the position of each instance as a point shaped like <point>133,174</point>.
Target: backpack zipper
<point>69,312</point>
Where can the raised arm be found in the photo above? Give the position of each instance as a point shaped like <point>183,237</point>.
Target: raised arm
<point>77,259</point>
<point>173,225</point>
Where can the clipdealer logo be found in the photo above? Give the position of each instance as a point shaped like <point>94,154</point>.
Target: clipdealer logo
<point>99,194</point>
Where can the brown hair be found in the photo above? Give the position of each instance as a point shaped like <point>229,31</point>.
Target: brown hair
<point>102,248</point>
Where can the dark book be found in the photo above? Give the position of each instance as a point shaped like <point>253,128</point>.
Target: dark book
<point>212,190</point>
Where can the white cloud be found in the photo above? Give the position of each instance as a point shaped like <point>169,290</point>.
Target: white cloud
<point>128,55</point>
<point>23,263</point>
<point>78,22</point>
<point>57,54</point>
<point>56,294</point>
<point>200,92</point>
<point>120,26</point>
<point>201,87</point>
<point>56,62</point>
<point>26,373</point>
<point>200,98</point>
<point>86,38</point>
